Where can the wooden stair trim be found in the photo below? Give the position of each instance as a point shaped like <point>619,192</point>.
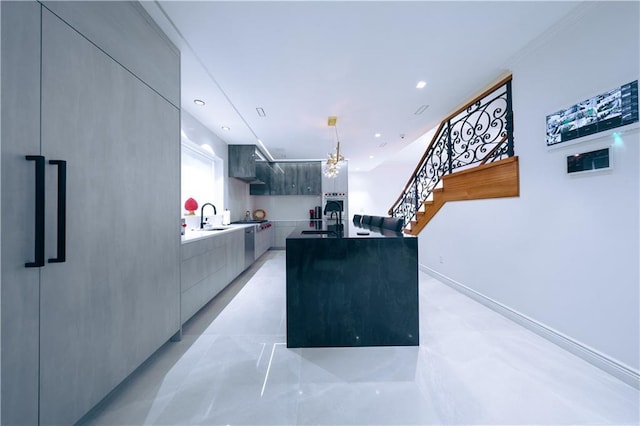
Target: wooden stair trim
<point>493,180</point>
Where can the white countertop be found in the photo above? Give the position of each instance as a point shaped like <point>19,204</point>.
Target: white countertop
<point>196,234</point>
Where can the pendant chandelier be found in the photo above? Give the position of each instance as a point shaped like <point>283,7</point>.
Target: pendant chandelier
<point>335,159</point>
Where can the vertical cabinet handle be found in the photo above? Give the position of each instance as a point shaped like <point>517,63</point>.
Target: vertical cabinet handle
<point>39,213</point>
<point>62,211</point>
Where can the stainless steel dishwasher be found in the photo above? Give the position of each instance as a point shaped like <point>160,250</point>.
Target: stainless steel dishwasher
<point>249,245</point>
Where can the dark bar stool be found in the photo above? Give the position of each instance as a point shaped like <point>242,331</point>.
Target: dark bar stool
<point>393,223</point>
<point>376,221</point>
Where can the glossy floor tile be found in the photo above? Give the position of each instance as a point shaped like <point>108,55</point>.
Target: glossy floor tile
<point>473,367</point>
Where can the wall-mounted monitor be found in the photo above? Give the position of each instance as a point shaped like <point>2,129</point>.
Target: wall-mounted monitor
<point>589,161</point>
<point>616,108</point>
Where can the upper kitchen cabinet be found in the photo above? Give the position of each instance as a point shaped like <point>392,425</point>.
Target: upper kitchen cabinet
<point>283,179</point>
<point>288,178</point>
<point>309,177</point>
<point>263,174</point>
<point>242,162</point>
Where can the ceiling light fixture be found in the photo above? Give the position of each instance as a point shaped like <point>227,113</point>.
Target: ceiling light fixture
<point>334,161</point>
<point>377,135</point>
<point>198,102</point>
<point>421,84</point>
<point>226,128</point>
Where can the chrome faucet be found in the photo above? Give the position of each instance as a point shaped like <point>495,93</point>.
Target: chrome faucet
<point>202,213</point>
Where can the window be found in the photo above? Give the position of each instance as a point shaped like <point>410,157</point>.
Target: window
<point>198,179</point>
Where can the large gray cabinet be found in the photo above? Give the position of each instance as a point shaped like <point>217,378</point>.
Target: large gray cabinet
<point>72,331</point>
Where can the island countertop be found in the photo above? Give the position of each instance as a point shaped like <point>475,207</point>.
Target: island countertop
<point>328,230</point>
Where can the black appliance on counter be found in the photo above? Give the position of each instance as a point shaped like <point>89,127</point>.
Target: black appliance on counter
<point>335,208</point>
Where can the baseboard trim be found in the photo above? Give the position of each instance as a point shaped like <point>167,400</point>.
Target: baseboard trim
<point>592,356</point>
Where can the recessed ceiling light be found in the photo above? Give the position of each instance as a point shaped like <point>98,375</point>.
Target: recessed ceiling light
<point>377,135</point>
<point>199,102</point>
<point>421,84</point>
<point>226,128</point>
<point>370,157</point>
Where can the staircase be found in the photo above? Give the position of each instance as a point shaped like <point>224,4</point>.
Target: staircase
<point>495,180</point>
<point>470,157</point>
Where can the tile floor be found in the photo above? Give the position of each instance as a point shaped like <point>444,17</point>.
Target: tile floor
<point>473,367</point>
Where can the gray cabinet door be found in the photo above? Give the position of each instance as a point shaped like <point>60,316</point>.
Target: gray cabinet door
<point>116,299</point>
<point>290,178</point>
<point>263,172</point>
<point>277,179</point>
<point>242,161</point>
<point>284,179</point>
<point>20,137</point>
<point>309,178</point>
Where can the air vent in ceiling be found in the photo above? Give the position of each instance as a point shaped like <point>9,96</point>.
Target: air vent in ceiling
<point>421,109</point>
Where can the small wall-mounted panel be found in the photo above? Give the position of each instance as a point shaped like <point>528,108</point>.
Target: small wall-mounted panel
<point>589,161</point>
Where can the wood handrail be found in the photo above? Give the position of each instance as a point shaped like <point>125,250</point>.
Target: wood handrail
<point>486,92</point>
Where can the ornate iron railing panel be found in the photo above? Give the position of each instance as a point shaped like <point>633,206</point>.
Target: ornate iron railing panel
<point>478,133</point>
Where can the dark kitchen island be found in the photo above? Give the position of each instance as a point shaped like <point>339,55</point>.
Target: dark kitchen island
<point>350,289</point>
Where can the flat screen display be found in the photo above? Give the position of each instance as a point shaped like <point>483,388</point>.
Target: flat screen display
<point>615,108</point>
<point>586,161</point>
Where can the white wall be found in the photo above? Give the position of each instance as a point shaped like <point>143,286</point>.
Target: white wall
<point>286,207</point>
<point>239,200</point>
<point>565,253</point>
<point>373,192</point>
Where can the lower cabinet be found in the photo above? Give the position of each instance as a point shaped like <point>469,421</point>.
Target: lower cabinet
<point>263,241</point>
<point>281,230</point>
<point>208,266</point>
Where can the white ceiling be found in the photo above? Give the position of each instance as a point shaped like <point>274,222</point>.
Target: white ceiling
<point>360,61</point>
